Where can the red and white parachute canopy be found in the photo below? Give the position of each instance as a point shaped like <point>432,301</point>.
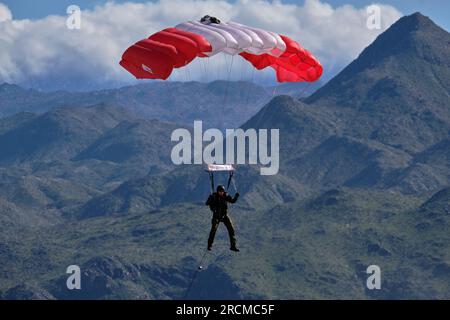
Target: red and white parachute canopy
<point>155,57</point>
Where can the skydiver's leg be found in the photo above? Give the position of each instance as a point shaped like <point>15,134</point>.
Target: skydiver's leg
<point>229,224</point>
<point>214,225</point>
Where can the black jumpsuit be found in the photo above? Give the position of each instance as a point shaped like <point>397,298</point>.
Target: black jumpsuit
<point>219,207</point>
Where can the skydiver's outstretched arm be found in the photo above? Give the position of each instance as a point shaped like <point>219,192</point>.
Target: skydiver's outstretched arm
<point>232,200</point>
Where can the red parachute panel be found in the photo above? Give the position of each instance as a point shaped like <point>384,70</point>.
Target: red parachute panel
<point>294,65</point>
<point>155,57</point>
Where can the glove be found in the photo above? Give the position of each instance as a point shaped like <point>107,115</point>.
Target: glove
<point>237,195</point>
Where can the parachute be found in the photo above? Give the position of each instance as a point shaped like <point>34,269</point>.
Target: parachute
<point>157,56</point>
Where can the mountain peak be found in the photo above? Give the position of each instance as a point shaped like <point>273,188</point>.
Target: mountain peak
<point>417,20</point>
<point>408,49</point>
<point>410,35</point>
<point>397,91</point>
<point>9,88</point>
<point>409,27</point>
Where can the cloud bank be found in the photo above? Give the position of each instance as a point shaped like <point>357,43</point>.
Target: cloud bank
<point>5,13</point>
<point>46,53</point>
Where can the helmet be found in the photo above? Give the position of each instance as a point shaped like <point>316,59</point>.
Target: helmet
<point>208,19</point>
<point>220,188</point>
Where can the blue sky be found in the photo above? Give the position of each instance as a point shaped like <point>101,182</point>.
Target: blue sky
<point>438,10</point>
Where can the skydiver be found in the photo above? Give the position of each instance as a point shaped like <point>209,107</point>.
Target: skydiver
<point>217,202</point>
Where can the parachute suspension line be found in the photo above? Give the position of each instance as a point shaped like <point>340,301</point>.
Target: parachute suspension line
<point>262,115</point>
<point>230,178</point>
<point>305,89</point>
<point>265,109</point>
<point>211,178</point>
<point>215,67</point>
<point>166,88</point>
<point>274,92</point>
<point>205,64</point>
<point>243,69</point>
<point>230,68</point>
<point>252,76</point>
<point>307,86</point>
<point>262,112</point>
<point>241,76</point>
<point>194,276</point>
<point>234,185</point>
<point>202,70</point>
<point>227,86</point>
<point>185,74</point>
<point>189,74</point>
<point>222,67</point>
<point>241,89</point>
<point>207,68</point>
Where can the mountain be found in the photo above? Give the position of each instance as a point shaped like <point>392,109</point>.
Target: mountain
<point>223,104</point>
<point>437,206</point>
<point>397,91</point>
<point>189,185</point>
<point>302,127</point>
<point>102,132</point>
<point>314,248</point>
<point>380,123</point>
<point>13,121</point>
<point>15,99</point>
<point>428,170</point>
<point>219,104</point>
<point>297,89</point>
<point>67,155</point>
<point>26,292</point>
<point>58,134</point>
<point>133,141</point>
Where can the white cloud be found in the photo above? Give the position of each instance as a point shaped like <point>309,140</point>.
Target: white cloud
<point>5,13</point>
<point>45,50</point>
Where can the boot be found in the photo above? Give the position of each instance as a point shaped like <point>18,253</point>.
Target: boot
<point>233,248</point>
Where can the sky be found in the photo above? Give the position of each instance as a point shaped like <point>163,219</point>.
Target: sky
<point>438,10</point>
<point>38,50</point>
